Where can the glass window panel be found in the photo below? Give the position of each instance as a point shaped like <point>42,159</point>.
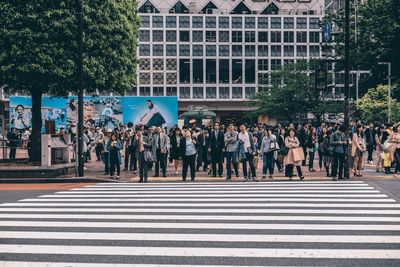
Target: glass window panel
<point>158,50</point>
<point>211,36</point>
<point>172,78</point>
<point>171,91</point>
<point>276,37</point>
<point>288,37</point>
<point>250,91</point>
<point>170,21</point>
<point>250,50</point>
<point>263,50</point>
<point>263,37</point>
<point>275,64</point>
<point>158,64</point>
<point>144,78</point>
<point>314,37</point>
<point>211,50</point>
<point>144,36</point>
<point>197,22</point>
<point>250,36</point>
<point>144,91</point>
<point>198,71</point>
<point>276,23</point>
<point>301,50</point>
<point>198,92</point>
<point>184,36</point>
<point>250,22</point>
<point>158,36</point>
<point>224,92</point>
<point>237,36</point>
<point>144,64</point>
<point>237,22</point>
<point>144,50</point>
<point>301,37</point>
<point>276,51</point>
<point>144,21</point>
<point>263,22</point>
<point>158,91</point>
<point>288,51</point>
<point>263,64</point>
<point>184,92</point>
<point>184,70</point>
<point>224,71</point>
<point>223,22</point>
<point>288,23</point>
<point>211,22</point>
<point>197,36</point>
<point>237,50</point>
<point>314,23</point>
<point>211,92</point>
<point>197,50</point>
<point>223,36</point>
<point>184,50</point>
<point>211,70</point>
<point>158,22</point>
<point>170,36</point>
<point>184,22</point>
<point>158,78</point>
<point>237,92</point>
<point>171,50</point>
<point>224,50</point>
<point>301,23</point>
<point>314,50</point>
<point>250,71</point>
<point>237,76</point>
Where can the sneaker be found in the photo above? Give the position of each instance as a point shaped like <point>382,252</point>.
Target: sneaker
<point>135,172</point>
<point>301,177</point>
<point>117,177</point>
<point>245,179</point>
<point>228,178</point>
<point>255,179</point>
<point>270,177</point>
<point>263,177</point>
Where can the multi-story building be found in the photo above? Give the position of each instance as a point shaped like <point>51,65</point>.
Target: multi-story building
<point>219,52</point>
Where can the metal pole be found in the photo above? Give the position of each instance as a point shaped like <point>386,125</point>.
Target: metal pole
<point>80,92</point>
<point>389,89</point>
<point>346,86</point>
<point>357,79</point>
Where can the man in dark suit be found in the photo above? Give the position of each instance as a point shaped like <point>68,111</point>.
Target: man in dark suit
<point>144,145</point>
<point>160,143</point>
<point>204,141</point>
<point>216,147</point>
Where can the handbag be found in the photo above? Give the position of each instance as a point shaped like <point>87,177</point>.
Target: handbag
<point>284,151</point>
<point>298,154</point>
<point>149,157</point>
<point>273,146</point>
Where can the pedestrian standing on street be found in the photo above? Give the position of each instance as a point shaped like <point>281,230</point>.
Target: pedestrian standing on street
<point>105,152</point>
<point>395,138</point>
<point>385,136</point>
<point>369,134</point>
<point>310,146</point>
<point>269,146</point>
<point>380,158</point>
<point>246,152</point>
<point>188,147</point>
<point>257,145</point>
<point>217,145</point>
<point>12,138</point>
<point>327,151</point>
<point>160,145</point>
<point>292,142</point>
<point>321,138</point>
<point>145,146</point>
<point>358,149</point>
<point>230,152</point>
<point>338,143</point>
<point>175,141</point>
<point>126,141</point>
<point>281,144</point>
<point>114,156</point>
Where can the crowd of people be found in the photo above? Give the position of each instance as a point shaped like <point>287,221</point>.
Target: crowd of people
<point>281,148</point>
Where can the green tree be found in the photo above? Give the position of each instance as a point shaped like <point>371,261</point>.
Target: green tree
<point>38,49</point>
<point>374,105</point>
<point>291,93</point>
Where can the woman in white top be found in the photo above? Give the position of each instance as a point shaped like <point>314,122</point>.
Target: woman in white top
<point>292,142</point>
<point>358,149</point>
<point>395,138</point>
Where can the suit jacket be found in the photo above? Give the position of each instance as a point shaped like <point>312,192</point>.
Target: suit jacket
<point>370,137</point>
<point>217,144</point>
<point>163,142</point>
<point>334,141</point>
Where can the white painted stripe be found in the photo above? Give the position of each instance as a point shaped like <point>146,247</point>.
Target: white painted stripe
<point>215,210</point>
<point>244,186</point>
<point>202,237</point>
<point>235,183</point>
<point>188,192</point>
<point>80,264</point>
<point>204,252</point>
<point>230,184</point>
<point>200,217</point>
<point>219,189</point>
<point>323,205</point>
<point>60,198</point>
<point>188,196</point>
<point>236,226</point>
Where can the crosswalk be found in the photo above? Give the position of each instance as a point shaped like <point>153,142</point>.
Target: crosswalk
<point>308,223</point>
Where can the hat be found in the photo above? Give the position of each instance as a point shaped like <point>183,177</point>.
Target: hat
<point>109,131</point>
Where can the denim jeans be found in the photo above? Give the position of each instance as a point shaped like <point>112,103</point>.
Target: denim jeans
<point>231,158</point>
<point>268,163</point>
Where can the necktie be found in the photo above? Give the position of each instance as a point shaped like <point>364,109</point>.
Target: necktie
<point>159,141</point>
<point>216,135</point>
<point>140,144</point>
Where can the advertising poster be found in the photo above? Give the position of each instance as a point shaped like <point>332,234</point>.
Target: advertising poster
<point>54,109</point>
<point>98,111</point>
<point>152,111</point>
<point>20,112</point>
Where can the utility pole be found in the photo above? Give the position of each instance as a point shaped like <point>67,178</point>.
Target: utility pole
<point>389,85</point>
<point>346,86</point>
<point>80,85</point>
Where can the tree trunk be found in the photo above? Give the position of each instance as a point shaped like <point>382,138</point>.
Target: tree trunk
<point>36,140</point>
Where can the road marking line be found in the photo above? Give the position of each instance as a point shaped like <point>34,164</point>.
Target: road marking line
<point>189,192</point>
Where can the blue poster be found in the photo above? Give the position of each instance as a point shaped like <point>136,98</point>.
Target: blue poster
<point>152,111</point>
<point>54,109</point>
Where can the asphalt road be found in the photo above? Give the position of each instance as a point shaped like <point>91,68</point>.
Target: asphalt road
<point>309,223</point>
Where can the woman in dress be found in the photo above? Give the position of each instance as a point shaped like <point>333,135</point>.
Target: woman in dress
<point>175,141</point>
<point>358,149</point>
<point>292,142</point>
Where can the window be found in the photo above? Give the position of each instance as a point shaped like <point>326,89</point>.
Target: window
<point>171,78</point>
<point>144,50</point>
<point>184,70</point>
<point>288,37</point>
<point>197,50</point>
<point>198,92</point>
<point>250,50</point>
<point>301,23</point>
<point>223,36</point>
<point>171,91</point>
<point>263,64</point>
<point>250,37</point>
<point>184,36</point>
<point>211,36</point>
<point>224,71</point>
<point>288,23</point>
<point>275,37</point>
<point>144,64</point>
<point>275,50</point>
<point>197,70</point>
<point>314,50</point>
<point>211,92</point>
<point>237,92</point>
<point>197,36</point>
<point>250,71</point>
<point>158,91</point>
<point>263,79</point>
<point>314,23</point>
<point>211,22</point>
<point>184,50</point>
<point>237,50</point>
<point>237,71</point>
<point>250,22</point>
<point>197,22</point>
<point>144,78</point>
<point>158,78</point>
<point>237,36</point>
<point>158,50</point>
<point>171,50</point>
<point>158,36</point>
<point>211,70</point>
<point>211,50</point>
<point>263,37</point>
<point>224,92</point>
<point>276,23</point>
<point>288,51</point>
<point>132,92</point>
<point>144,21</point>
<point>314,37</point>
<point>288,61</point>
<point>301,50</point>
<point>263,50</point>
<point>144,36</point>
<point>237,22</point>
<point>158,22</point>
<point>158,64</point>
<point>144,91</point>
<point>224,50</point>
<point>170,21</point>
<point>275,64</point>
<point>170,36</point>
<point>263,22</point>
<point>301,37</point>
<point>171,63</point>
<point>223,22</point>
<point>184,22</point>
<point>249,92</point>
<point>184,92</point>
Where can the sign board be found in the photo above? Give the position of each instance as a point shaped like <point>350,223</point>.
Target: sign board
<point>327,31</point>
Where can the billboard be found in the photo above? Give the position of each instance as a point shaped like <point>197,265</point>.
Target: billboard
<point>152,111</point>
<point>54,109</point>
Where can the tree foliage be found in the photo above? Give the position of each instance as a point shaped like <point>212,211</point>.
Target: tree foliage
<point>374,106</point>
<point>38,49</point>
<point>292,92</point>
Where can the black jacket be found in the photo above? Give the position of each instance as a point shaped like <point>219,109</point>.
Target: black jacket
<point>217,143</point>
<point>182,146</point>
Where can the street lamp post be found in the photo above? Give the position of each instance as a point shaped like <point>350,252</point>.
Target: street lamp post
<point>346,86</point>
<point>80,85</point>
<point>389,84</point>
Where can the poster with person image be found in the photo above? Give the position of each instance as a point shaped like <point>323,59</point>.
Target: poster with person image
<point>54,109</point>
<point>151,111</point>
